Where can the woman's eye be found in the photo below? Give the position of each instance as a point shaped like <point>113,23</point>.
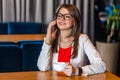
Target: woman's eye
<point>68,16</point>
<point>59,16</point>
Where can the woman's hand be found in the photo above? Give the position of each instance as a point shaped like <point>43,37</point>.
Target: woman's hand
<point>51,32</point>
<point>69,70</point>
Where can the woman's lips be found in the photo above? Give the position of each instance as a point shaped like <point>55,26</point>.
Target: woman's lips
<point>62,23</point>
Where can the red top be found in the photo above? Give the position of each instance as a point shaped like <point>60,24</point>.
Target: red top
<point>64,54</point>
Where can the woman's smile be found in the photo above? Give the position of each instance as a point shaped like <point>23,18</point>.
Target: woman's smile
<point>62,23</point>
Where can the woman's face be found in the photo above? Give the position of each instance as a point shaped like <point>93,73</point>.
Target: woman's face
<point>64,19</point>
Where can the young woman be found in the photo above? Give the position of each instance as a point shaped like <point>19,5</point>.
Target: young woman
<point>66,49</point>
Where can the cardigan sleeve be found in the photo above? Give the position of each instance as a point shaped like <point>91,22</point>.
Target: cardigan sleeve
<point>96,64</point>
<point>44,58</point>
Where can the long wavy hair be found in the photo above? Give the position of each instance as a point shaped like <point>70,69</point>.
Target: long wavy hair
<point>76,30</point>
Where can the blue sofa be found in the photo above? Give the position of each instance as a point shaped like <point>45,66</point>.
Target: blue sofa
<point>10,58</point>
<point>20,28</point>
<point>20,56</point>
<point>3,28</point>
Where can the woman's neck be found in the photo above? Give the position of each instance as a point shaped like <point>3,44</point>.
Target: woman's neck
<point>65,39</point>
<point>65,34</point>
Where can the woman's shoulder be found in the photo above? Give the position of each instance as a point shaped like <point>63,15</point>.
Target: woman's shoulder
<point>83,37</point>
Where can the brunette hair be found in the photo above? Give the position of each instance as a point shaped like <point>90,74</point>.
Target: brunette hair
<point>76,28</point>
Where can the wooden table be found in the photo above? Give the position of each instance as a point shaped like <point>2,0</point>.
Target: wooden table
<point>17,37</point>
<point>52,75</point>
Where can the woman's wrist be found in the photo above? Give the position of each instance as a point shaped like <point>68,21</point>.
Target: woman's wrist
<point>76,71</point>
<point>47,41</point>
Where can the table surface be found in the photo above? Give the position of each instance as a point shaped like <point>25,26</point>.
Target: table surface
<point>17,37</point>
<point>53,75</point>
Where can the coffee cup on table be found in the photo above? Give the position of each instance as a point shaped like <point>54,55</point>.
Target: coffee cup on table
<point>59,66</point>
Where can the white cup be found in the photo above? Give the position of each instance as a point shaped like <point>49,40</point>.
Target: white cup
<point>59,66</point>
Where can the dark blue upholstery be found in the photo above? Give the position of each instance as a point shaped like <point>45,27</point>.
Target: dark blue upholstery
<point>3,28</point>
<point>7,43</point>
<point>31,51</point>
<point>10,58</point>
<point>24,28</point>
<point>27,41</point>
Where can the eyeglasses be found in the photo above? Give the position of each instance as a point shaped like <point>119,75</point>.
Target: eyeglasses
<point>65,16</point>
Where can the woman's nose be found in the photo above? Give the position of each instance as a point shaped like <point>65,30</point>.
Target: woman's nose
<point>63,18</point>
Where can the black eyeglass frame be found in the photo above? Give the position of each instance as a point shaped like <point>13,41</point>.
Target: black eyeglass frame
<point>65,16</point>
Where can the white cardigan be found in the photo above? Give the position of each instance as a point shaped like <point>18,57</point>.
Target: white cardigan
<point>86,51</point>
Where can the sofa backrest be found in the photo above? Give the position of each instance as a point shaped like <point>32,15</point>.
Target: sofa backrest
<point>10,58</point>
<point>3,28</point>
<point>31,52</point>
<point>24,28</point>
